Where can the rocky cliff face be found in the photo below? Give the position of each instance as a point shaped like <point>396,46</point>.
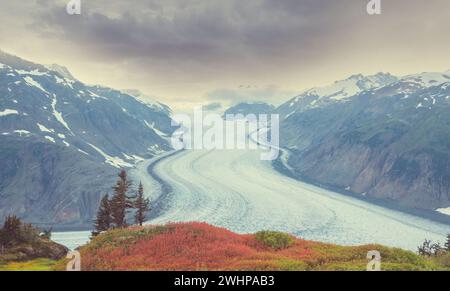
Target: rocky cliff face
<point>390,142</point>
<point>62,141</point>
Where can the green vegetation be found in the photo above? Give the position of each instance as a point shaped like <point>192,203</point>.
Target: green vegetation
<point>33,265</point>
<point>112,212</point>
<point>103,220</point>
<point>124,236</point>
<point>142,206</point>
<point>21,244</point>
<point>274,239</point>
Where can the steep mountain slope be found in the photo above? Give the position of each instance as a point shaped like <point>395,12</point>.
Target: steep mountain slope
<point>390,142</point>
<point>62,141</point>
<point>339,91</point>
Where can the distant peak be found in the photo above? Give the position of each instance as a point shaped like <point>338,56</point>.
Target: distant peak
<point>63,71</point>
<point>383,74</point>
<point>377,75</point>
<point>356,77</point>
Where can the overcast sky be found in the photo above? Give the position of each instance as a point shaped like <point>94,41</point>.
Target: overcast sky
<point>186,52</point>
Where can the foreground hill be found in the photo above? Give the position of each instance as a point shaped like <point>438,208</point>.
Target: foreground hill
<point>23,246</point>
<point>199,246</point>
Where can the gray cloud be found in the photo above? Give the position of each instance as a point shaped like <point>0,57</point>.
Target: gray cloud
<point>183,49</point>
<point>187,31</point>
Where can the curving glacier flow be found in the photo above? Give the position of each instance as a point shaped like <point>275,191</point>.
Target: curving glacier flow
<point>236,190</point>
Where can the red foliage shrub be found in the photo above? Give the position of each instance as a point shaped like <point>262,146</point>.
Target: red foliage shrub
<point>189,246</point>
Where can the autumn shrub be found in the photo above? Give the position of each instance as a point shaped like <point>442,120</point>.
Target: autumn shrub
<point>199,246</point>
<point>274,239</point>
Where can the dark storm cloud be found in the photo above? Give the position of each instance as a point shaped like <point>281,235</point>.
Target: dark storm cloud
<point>197,51</point>
<point>189,31</point>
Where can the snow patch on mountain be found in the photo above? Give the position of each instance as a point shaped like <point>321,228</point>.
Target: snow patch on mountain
<point>155,149</point>
<point>152,126</point>
<point>65,81</point>
<point>94,95</point>
<point>113,161</point>
<point>34,72</point>
<point>22,132</point>
<point>31,82</point>
<point>49,138</point>
<point>134,158</point>
<point>44,129</point>
<point>445,211</point>
<point>8,112</point>
<point>58,115</point>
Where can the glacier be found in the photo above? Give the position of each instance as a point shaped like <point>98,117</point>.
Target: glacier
<point>236,190</point>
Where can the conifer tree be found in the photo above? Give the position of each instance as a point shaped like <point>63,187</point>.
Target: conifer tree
<point>142,205</point>
<point>103,220</point>
<point>11,232</point>
<point>120,202</point>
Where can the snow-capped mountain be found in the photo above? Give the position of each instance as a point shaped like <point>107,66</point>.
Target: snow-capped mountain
<point>102,122</point>
<point>63,71</point>
<point>345,90</point>
<point>428,79</point>
<point>389,142</point>
<point>339,91</point>
<point>57,134</point>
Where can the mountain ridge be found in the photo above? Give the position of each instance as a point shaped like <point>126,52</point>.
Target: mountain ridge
<point>390,142</point>
<point>63,141</point>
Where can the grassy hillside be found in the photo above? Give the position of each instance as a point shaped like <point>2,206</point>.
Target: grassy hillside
<point>25,247</point>
<point>199,246</point>
<point>33,265</point>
